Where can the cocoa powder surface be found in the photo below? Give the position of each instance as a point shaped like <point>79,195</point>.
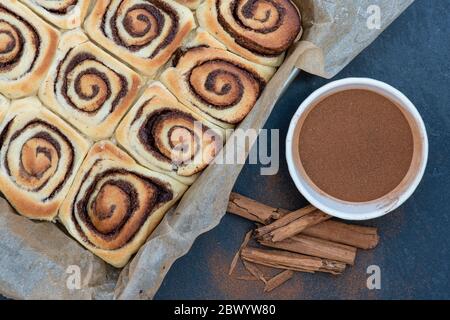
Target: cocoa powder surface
<point>356,145</point>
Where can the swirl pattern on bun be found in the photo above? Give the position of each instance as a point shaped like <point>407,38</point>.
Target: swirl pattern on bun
<point>193,4</point>
<point>258,30</point>
<point>164,135</point>
<point>114,204</point>
<point>89,88</point>
<point>221,85</point>
<point>65,14</point>
<point>27,47</point>
<point>143,33</point>
<point>39,156</point>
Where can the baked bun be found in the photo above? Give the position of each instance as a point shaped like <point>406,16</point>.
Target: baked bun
<point>39,156</point>
<point>164,135</point>
<point>27,47</point>
<point>142,33</point>
<point>88,87</point>
<point>221,85</point>
<point>258,30</point>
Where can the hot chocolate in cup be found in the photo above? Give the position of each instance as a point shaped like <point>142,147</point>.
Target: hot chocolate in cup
<point>357,148</point>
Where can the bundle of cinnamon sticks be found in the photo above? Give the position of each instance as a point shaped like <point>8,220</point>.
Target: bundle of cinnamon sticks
<point>305,240</point>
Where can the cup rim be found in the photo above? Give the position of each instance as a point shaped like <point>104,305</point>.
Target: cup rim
<point>304,187</point>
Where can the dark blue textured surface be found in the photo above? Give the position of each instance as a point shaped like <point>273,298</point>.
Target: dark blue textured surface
<point>413,55</point>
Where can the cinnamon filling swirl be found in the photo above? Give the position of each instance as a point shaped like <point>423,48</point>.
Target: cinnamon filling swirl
<point>171,135</point>
<point>136,26</point>
<point>37,165</point>
<point>223,84</point>
<point>87,83</point>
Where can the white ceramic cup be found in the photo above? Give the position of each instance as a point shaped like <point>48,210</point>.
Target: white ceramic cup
<point>358,210</point>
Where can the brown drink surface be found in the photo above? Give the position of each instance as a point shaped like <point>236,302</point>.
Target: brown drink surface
<point>356,145</point>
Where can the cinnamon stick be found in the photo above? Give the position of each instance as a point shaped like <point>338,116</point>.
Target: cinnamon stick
<point>291,261</point>
<point>299,225</point>
<point>314,247</point>
<point>352,235</point>
<point>285,220</point>
<point>253,210</point>
<point>278,280</point>
<point>236,256</point>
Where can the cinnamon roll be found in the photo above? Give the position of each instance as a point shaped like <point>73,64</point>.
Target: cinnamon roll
<point>221,85</point>
<point>65,14</point>
<point>114,204</point>
<point>164,135</point>
<point>258,30</point>
<point>27,47</point>
<point>4,105</point>
<point>39,155</point>
<point>144,33</point>
<point>193,4</point>
<point>88,87</point>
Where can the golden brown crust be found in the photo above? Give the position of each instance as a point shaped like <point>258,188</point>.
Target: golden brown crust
<point>114,227</point>
<point>163,135</point>
<point>139,45</point>
<point>220,85</point>
<point>260,31</point>
<point>67,14</point>
<point>22,73</point>
<point>39,155</point>
<point>89,88</point>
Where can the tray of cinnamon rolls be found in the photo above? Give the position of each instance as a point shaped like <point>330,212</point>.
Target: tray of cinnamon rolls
<point>111,109</point>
